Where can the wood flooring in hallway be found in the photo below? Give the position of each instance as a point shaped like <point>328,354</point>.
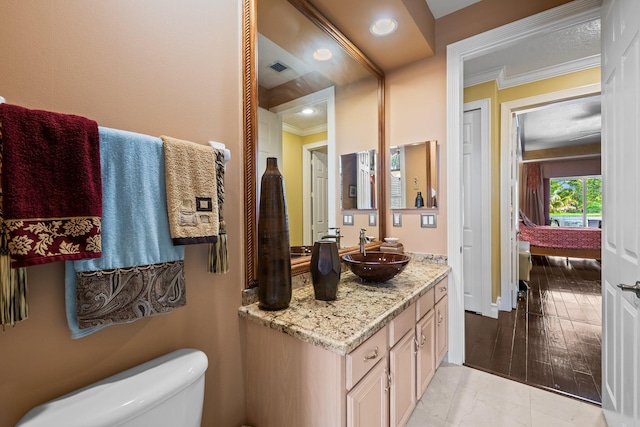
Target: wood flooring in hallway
<point>553,339</point>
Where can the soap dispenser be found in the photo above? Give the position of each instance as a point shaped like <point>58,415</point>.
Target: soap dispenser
<point>419,200</point>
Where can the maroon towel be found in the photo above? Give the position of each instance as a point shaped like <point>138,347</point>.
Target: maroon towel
<point>51,185</point>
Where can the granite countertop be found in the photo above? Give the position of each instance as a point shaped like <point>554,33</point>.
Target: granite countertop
<point>359,311</point>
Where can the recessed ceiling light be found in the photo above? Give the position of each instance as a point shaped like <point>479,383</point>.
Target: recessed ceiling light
<point>322,54</point>
<point>383,27</point>
<point>308,111</point>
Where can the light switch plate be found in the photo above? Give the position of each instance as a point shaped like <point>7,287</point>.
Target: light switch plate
<point>347,219</point>
<point>372,219</point>
<point>397,219</point>
<point>428,220</point>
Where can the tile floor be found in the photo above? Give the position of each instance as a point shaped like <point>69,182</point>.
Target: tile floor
<point>463,396</point>
<point>553,339</point>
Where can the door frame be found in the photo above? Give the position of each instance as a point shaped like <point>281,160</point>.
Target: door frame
<point>484,105</point>
<point>507,110</point>
<point>478,45</point>
<point>306,189</point>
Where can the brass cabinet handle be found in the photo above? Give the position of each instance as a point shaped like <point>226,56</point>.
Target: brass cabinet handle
<point>373,356</point>
<point>388,374</point>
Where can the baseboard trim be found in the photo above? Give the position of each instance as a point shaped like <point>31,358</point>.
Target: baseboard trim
<point>495,308</point>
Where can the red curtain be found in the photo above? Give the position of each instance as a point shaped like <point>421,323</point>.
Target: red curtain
<point>532,193</point>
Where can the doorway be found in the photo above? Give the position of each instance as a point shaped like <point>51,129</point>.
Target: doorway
<point>552,338</point>
<point>315,172</point>
<point>457,54</point>
<point>510,154</point>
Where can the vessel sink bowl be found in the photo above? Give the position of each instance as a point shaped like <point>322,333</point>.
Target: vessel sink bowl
<point>376,266</point>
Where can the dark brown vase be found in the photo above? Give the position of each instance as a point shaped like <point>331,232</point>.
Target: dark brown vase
<point>274,253</point>
<point>325,270</point>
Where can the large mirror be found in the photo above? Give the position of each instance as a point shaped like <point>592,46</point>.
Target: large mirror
<point>413,180</point>
<point>310,96</point>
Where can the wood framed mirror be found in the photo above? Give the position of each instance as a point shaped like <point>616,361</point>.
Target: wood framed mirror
<point>283,35</point>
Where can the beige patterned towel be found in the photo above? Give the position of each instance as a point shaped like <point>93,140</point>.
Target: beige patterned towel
<point>192,191</point>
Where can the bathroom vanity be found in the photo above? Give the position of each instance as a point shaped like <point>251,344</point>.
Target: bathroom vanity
<point>362,360</point>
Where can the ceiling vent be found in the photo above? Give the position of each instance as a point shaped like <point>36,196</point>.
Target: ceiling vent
<point>278,67</point>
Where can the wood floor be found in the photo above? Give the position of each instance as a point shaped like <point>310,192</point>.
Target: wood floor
<point>553,339</point>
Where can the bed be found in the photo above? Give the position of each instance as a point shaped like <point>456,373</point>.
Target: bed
<point>572,242</point>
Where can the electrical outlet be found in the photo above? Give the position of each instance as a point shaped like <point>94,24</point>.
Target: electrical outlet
<point>415,182</point>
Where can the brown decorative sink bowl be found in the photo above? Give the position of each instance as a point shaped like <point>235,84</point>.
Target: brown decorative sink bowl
<point>376,266</point>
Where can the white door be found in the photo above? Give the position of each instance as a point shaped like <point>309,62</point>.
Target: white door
<point>514,208</point>
<point>472,213</point>
<point>364,180</point>
<point>621,207</point>
<point>319,194</point>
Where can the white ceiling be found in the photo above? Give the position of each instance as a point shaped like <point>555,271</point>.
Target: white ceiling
<point>440,8</point>
<point>557,52</point>
<point>297,122</point>
<point>573,122</point>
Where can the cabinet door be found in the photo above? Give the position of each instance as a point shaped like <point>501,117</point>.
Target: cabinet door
<point>368,402</point>
<point>402,363</point>
<point>426,355</point>
<point>442,328</point>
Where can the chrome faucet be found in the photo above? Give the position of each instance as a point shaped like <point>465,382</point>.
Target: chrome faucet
<point>363,241</point>
<point>335,236</point>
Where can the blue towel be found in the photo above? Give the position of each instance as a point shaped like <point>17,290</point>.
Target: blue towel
<point>135,241</point>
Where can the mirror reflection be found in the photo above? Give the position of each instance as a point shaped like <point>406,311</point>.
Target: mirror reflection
<point>315,102</point>
<point>414,176</point>
<point>358,180</point>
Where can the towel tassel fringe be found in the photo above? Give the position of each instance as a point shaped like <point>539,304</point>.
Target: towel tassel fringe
<point>14,306</point>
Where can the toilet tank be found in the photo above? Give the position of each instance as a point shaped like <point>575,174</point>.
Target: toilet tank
<point>167,391</point>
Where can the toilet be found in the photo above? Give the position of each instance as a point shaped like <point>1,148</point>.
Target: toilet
<point>167,391</point>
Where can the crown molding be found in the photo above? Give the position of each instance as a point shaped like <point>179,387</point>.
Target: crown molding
<point>504,81</point>
<point>304,132</point>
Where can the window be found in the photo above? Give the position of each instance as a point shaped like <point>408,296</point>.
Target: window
<point>575,202</point>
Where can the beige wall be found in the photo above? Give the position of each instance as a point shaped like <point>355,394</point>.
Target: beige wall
<point>356,130</point>
<point>416,105</point>
<point>149,66</point>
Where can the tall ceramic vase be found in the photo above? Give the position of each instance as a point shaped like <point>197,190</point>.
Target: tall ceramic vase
<point>325,269</point>
<point>274,252</point>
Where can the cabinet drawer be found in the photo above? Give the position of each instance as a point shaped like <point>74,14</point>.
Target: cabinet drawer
<point>402,324</point>
<point>425,303</point>
<point>362,359</point>
<point>441,289</point>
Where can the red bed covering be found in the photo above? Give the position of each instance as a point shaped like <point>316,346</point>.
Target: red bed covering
<point>561,237</point>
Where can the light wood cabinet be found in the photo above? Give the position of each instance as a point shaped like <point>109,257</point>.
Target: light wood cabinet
<point>366,356</point>
<point>292,382</point>
<point>368,402</point>
<point>426,353</point>
<point>442,328</point>
<point>402,365</point>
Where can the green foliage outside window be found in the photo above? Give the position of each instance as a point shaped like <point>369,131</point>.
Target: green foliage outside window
<point>566,197</point>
